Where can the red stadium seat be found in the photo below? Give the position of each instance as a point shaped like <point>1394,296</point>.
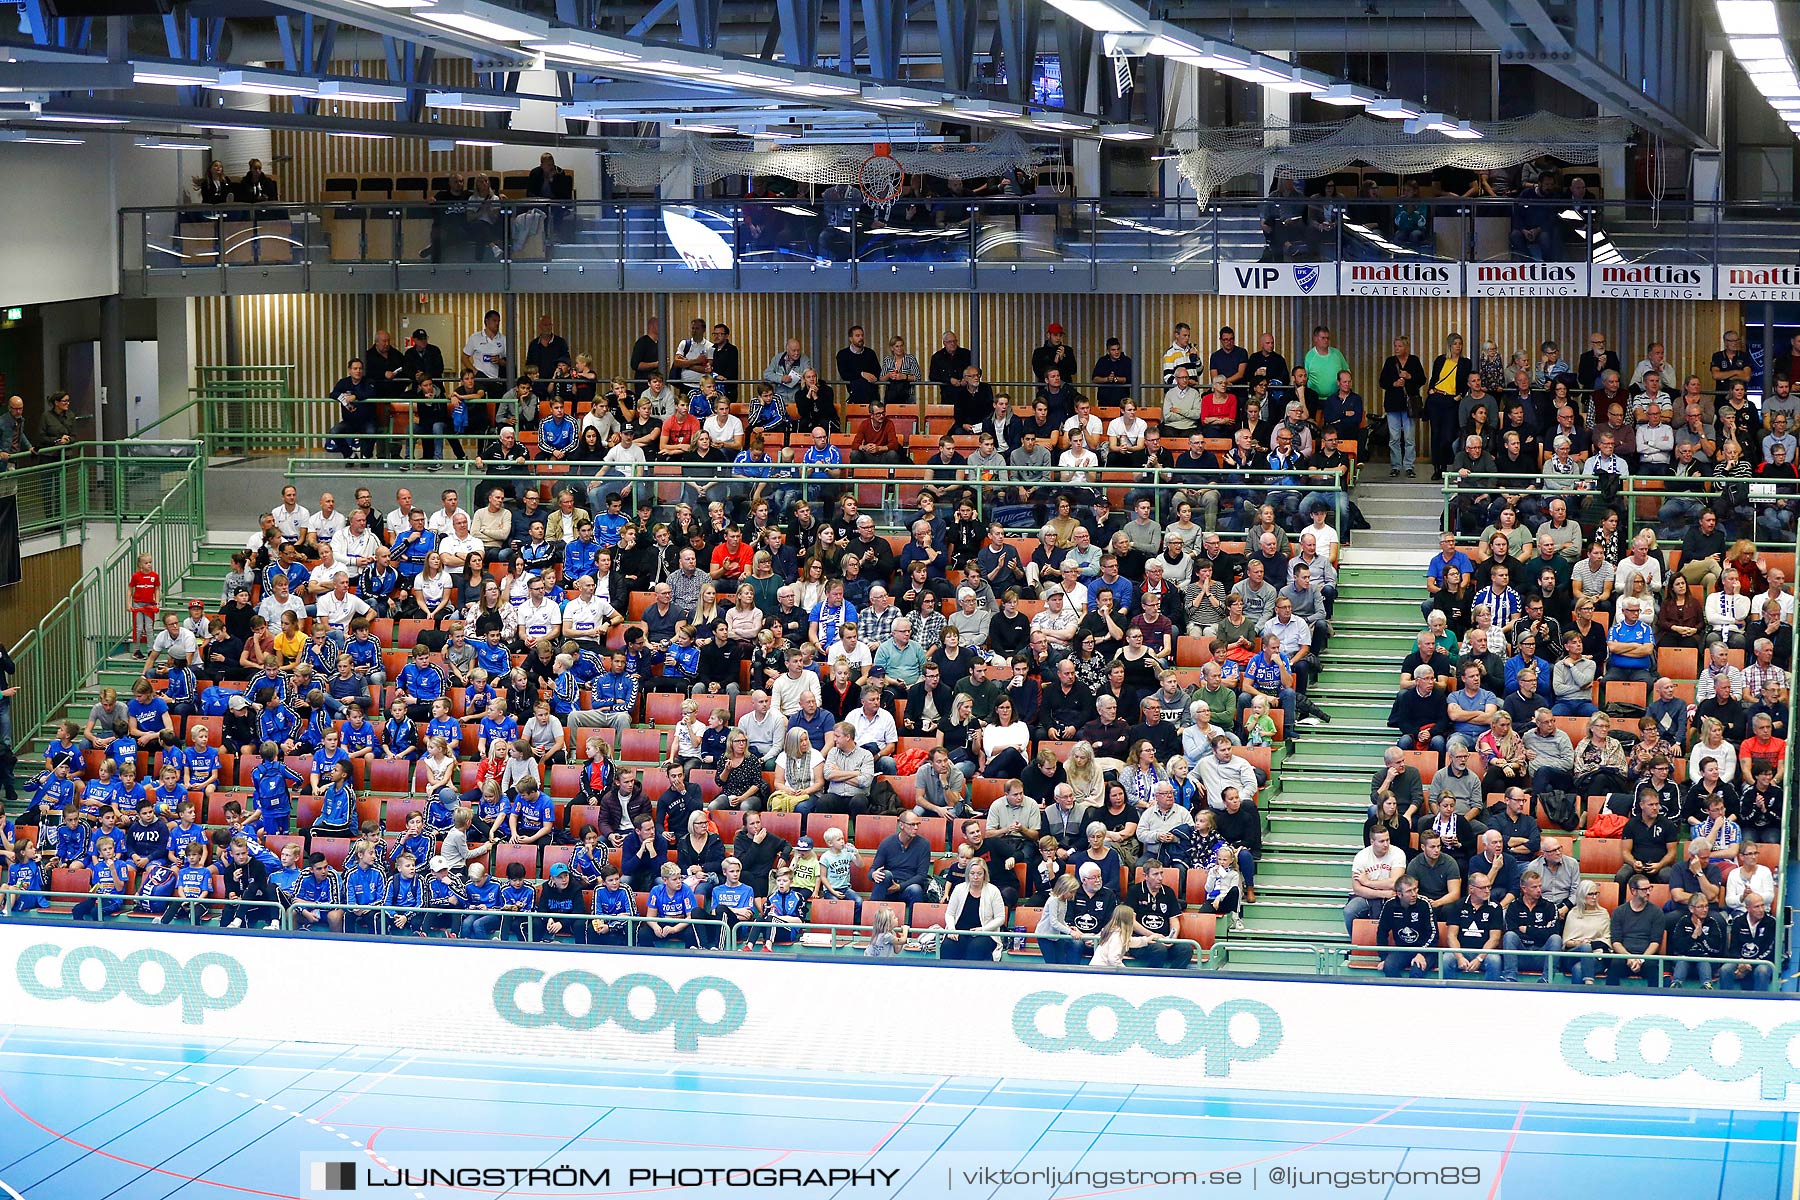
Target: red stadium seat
<point>641,746</point>
<point>392,775</point>
<point>398,809</point>
<point>333,848</point>
<point>505,856</point>
<point>871,830</point>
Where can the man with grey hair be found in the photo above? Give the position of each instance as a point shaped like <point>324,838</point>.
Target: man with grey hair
<point>1258,594</point>
<point>1559,873</point>
<point>971,618</point>
<point>1631,646</point>
<point>1176,567</point>
<point>1399,779</point>
<point>876,622</point>
<point>763,726</point>
<point>1162,828</point>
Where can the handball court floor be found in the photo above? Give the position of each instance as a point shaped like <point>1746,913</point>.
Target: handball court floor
<point>104,1116</point>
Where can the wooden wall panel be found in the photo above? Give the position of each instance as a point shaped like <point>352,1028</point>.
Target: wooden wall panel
<point>43,580</point>
<point>317,333</point>
<point>304,160</point>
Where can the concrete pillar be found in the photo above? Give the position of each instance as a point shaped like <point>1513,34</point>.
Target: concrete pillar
<point>1084,153</point>
<point>540,116</point>
<point>114,412</point>
<point>1277,111</point>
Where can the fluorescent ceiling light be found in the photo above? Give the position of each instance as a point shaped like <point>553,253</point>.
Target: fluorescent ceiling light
<point>27,137</point>
<point>1749,18</point>
<point>1768,66</point>
<point>68,119</point>
<point>1775,88</point>
<point>365,137</point>
<point>1462,131</point>
<point>1292,80</point>
<point>267,83</point>
<point>398,3</point>
<point>472,102</point>
<point>1101,16</point>
<point>699,127</point>
<point>986,110</point>
<point>478,144</point>
<point>1062,122</point>
<point>817,84</point>
<point>160,141</point>
<point>893,97</point>
<point>485,20</point>
<point>361,92</point>
<point>582,48</point>
<point>1125,133</point>
<point>175,74</point>
<point>1749,49</point>
<point>1395,109</point>
<point>1347,95</point>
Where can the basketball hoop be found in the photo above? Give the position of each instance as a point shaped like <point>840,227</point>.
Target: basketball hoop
<point>880,178</point>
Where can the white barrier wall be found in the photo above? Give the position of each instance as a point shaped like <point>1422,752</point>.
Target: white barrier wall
<point>1715,1051</point>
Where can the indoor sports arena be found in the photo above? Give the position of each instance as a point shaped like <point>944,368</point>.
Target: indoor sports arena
<point>1003,599</point>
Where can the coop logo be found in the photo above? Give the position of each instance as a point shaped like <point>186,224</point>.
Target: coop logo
<point>1270,279</point>
<point>209,982</point>
<point>1654,281</point>
<point>1398,279</point>
<point>580,1001</point>
<point>1724,1050</point>
<point>1759,283</point>
<point>1527,279</point>
<point>1237,1031</point>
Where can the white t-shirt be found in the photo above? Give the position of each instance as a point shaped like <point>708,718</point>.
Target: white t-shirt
<point>878,729</point>
<point>270,611</point>
<point>291,523</point>
<point>723,427</point>
<point>486,352</point>
<point>689,349</point>
<point>586,618</point>
<point>431,588</point>
<point>786,691</point>
<point>859,658</point>
<point>1132,431</point>
<point>325,527</point>
<point>1377,871</point>
<point>322,575</point>
<point>628,454</point>
<point>439,522</point>
<point>1075,462</point>
<point>1092,427</point>
<point>455,549</point>
<point>537,620</point>
<point>354,550</point>
<point>337,614</point>
<point>181,646</point>
<point>1324,538</point>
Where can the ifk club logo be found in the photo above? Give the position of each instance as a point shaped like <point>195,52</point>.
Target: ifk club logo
<point>1655,1047</point>
<point>209,982</point>
<point>704,1007</point>
<point>1171,1027</point>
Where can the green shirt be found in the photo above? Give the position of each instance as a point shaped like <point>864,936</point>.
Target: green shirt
<point>904,665</point>
<point>1322,371</point>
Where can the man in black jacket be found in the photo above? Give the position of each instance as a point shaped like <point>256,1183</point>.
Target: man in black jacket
<point>548,181</point>
<point>1091,907</point>
<point>930,686</point>
<point>247,883</point>
<point>946,369</point>
<point>1063,706</point>
<point>759,851</point>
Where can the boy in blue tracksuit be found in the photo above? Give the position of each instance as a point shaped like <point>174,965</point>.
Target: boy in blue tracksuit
<point>184,833</point>
<point>26,883</point>
<point>444,898</point>
<point>614,906</point>
<point>57,789</point>
<point>492,656</point>
<point>365,886</point>
<point>516,897</point>
<point>399,736</point>
<point>337,806</point>
<point>271,782</point>
<point>734,901</point>
<point>278,724</point>
<point>180,693</point>
<point>193,884</point>
<point>415,841</point>
<point>482,921</point>
<point>102,793</point>
<point>112,876</point>
<point>496,724</point>
<point>671,911</point>
<point>785,911</point>
<point>443,725</point>
<point>169,792</point>
<point>317,888</point>
<point>405,892</point>
<point>359,736</point>
<point>419,683</point>
<point>107,829</point>
<point>328,755</point>
<point>70,840</point>
<point>364,649</point>
<point>479,693</point>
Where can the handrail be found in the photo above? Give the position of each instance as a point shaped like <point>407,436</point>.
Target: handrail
<point>1633,492</point>
<point>1560,961</point>
<point>131,901</point>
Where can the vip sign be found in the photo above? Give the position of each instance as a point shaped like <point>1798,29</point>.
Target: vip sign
<point>1278,279</point>
<point>1778,284</point>
<point>1526,279</point>
<point>1400,279</point>
<point>1653,281</point>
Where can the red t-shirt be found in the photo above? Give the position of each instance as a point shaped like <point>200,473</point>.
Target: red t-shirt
<point>734,564</point>
<point>144,586</point>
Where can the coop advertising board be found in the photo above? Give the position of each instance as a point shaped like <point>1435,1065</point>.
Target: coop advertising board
<point>1588,1045</point>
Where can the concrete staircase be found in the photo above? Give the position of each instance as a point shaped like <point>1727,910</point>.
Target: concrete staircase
<point>1314,818</point>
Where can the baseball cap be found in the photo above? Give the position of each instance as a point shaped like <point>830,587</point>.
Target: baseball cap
<point>237,704</point>
<point>439,863</point>
<point>420,333</point>
<point>804,843</point>
<point>1055,328</point>
<point>557,870</point>
<point>196,604</point>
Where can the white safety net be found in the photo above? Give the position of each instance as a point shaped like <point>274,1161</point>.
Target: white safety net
<point>1208,157</point>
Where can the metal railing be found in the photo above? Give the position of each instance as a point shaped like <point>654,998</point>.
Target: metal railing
<point>1548,964</point>
<point>133,907</point>
<point>613,243</point>
<point>57,657</point>
<point>95,481</point>
<point>1664,506</point>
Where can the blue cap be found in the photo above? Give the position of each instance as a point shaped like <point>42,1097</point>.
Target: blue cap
<point>558,869</point>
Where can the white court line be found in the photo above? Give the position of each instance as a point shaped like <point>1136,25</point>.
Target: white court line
<point>1210,1119</point>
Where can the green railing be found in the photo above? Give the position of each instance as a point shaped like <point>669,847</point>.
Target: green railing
<point>1651,503</point>
<point>57,658</point>
<point>112,482</point>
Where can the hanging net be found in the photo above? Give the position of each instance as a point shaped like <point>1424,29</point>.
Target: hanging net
<point>713,159</point>
<point>1209,157</point>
